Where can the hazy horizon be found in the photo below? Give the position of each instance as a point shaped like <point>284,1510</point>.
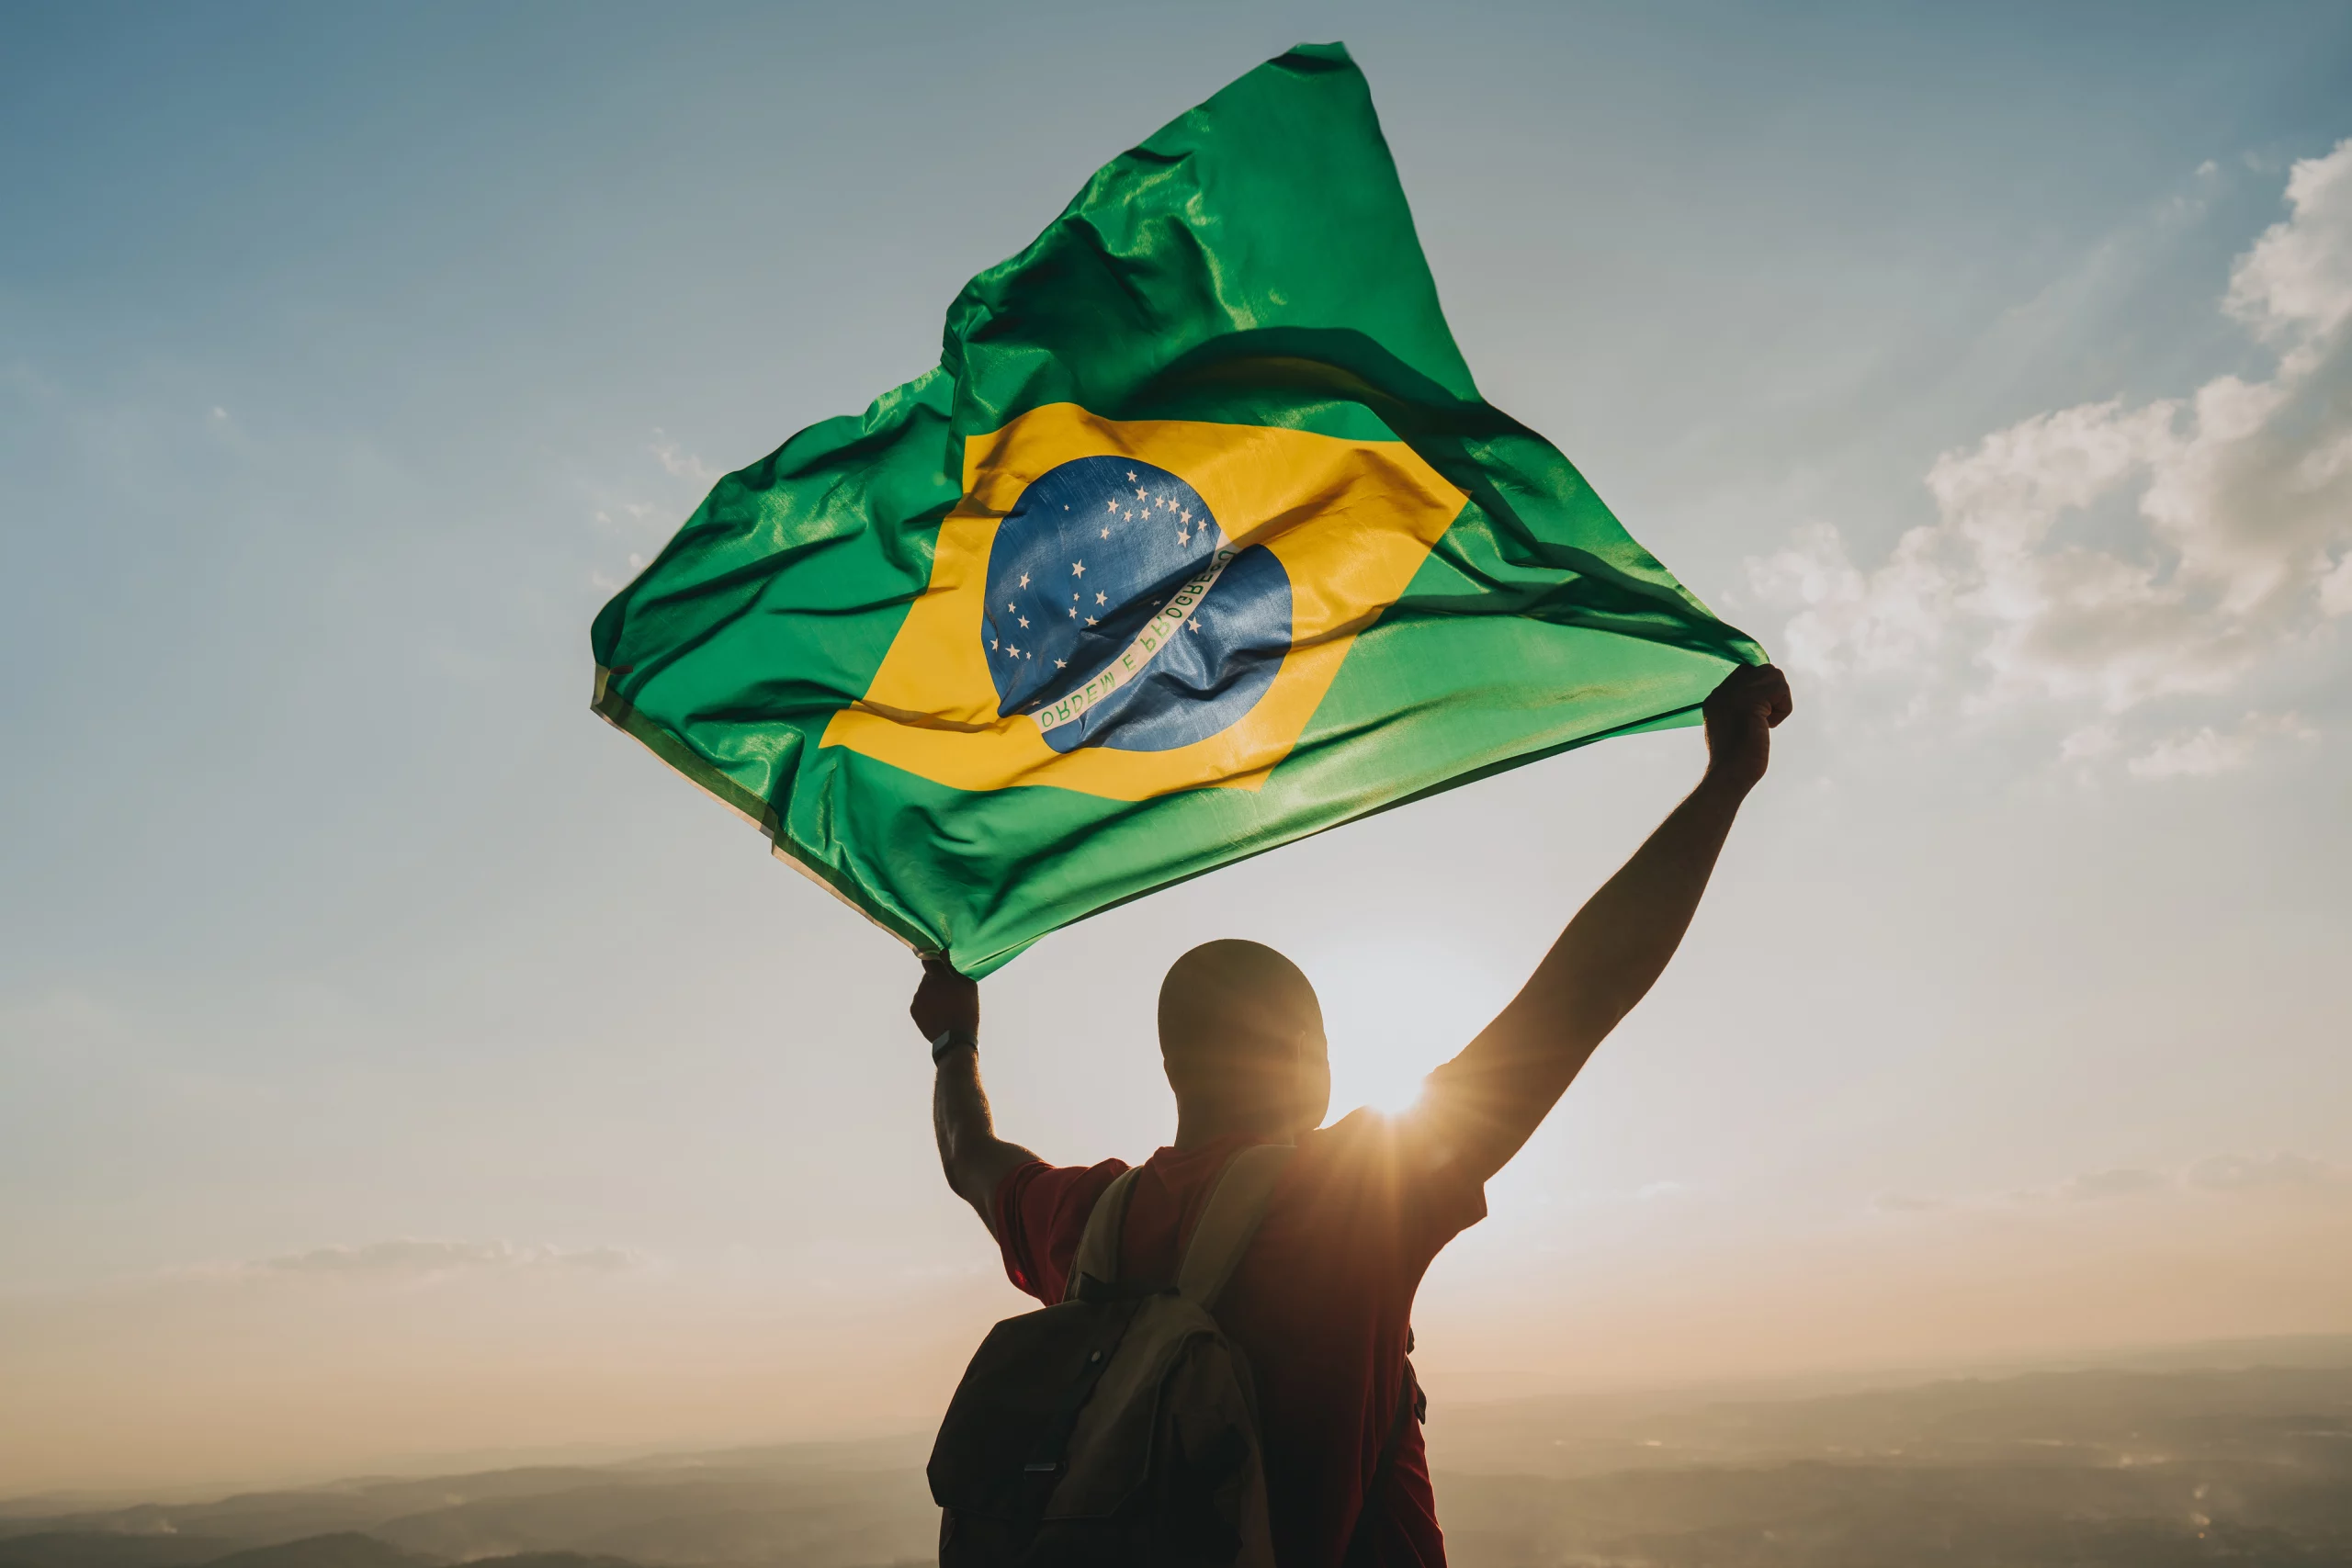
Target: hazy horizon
<point>1482,1421</point>
<point>395,1059</point>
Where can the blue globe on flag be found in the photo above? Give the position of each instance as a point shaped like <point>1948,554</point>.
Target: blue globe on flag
<point>1120,614</point>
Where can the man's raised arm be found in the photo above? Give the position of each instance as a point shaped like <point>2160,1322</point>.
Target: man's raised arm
<point>947,1010</point>
<point>1488,1101</point>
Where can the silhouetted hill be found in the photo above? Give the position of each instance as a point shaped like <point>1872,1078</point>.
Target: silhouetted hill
<point>343,1548</point>
<point>1814,1515</point>
<point>2290,1417</point>
<point>836,1517</point>
<point>263,1519</point>
<point>2250,1466</point>
<point>791,1506</point>
<point>109,1549</point>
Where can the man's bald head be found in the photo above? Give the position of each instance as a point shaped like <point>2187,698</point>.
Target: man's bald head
<point>1242,1033</point>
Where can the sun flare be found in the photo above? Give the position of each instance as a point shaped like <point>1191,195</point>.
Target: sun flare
<point>1393,1012</point>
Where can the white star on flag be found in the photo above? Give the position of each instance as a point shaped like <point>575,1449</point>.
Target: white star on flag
<point>1077,569</point>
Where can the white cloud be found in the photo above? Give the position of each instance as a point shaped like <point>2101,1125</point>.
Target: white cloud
<point>2286,1168</point>
<point>2090,743</point>
<point>679,463</point>
<point>412,1257</point>
<point>1893,617</point>
<point>2297,276</point>
<point>1905,1203</point>
<point>2205,751</point>
<point>2120,1183</point>
<point>2335,588</point>
<point>2110,554</point>
<point>639,521</point>
<point>2217,1173</point>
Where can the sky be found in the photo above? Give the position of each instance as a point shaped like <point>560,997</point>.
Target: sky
<point>399,1065</point>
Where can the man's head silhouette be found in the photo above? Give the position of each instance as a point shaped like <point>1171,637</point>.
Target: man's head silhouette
<point>1242,1036</point>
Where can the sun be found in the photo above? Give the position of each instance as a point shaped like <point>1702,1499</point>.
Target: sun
<point>1393,1011</point>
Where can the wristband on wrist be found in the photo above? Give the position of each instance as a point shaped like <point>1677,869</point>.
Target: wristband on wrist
<point>947,1040</point>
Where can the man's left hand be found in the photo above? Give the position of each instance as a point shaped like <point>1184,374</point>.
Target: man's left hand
<point>945,1000</point>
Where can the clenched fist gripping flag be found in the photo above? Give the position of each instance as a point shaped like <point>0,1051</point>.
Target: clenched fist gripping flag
<point>1198,540</point>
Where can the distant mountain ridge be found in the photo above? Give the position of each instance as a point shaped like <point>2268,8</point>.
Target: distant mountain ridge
<point>825,1505</point>
<point>340,1549</point>
<point>343,1548</point>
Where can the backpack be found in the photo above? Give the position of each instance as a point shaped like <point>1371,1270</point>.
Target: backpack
<point>1119,1426</point>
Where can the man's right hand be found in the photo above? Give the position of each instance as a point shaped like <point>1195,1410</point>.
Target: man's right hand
<point>1741,713</point>
<point>945,1000</point>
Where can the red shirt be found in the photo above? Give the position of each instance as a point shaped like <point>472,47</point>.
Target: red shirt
<point>1321,1304</point>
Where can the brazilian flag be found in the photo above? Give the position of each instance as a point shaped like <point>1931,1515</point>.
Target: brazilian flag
<point>1199,539</point>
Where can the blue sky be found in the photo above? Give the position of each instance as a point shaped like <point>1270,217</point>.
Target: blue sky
<point>370,1014</point>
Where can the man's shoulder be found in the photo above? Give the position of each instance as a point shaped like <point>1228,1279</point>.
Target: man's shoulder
<point>1041,1212</point>
<point>1057,1198</point>
<point>1397,1159</point>
<point>1365,1133</point>
<point>1057,1183</point>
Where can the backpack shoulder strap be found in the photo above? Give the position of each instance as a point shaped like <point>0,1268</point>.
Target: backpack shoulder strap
<point>1229,1220</point>
<point>1098,1248</point>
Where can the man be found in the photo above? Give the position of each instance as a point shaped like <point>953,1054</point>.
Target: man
<point>1321,1301</point>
